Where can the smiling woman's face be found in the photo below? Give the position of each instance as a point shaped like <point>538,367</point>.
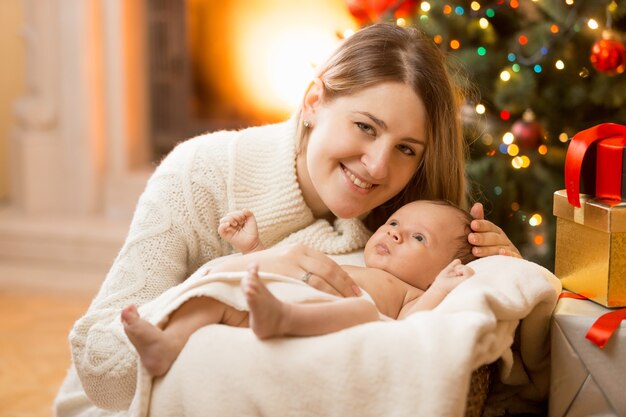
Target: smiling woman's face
<point>362,149</point>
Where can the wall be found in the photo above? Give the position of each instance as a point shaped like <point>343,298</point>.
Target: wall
<point>11,78</point>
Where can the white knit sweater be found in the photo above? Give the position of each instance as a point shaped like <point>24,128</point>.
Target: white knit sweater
<point>174,231</point>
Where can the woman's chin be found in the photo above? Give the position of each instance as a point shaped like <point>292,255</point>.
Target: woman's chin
<point>350,214</point>
<point>347,212</point>
<point>347,207</point>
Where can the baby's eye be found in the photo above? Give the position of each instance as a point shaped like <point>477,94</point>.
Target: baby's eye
<point>393,223</point>
<point>366,128</point>
<point>419,237</point>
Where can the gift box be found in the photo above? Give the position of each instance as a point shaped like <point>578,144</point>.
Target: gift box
<point>591,248</point>
<point>585,379</point>
<point>591,226</point>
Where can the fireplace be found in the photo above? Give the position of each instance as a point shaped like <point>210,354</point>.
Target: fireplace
<point>254,74</point>
<point>183,74</point>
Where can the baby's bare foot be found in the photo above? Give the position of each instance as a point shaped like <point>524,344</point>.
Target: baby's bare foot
<point>267,313</point>
<point>155,350</point>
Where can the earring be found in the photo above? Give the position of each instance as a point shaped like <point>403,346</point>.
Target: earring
<point>306,124</point>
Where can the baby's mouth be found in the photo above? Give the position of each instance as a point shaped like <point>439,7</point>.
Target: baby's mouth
<point>382,249</point>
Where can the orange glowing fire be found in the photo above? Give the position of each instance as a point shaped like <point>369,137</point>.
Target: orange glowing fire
<point>272,50</point>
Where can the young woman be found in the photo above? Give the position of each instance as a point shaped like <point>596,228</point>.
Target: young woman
<point>378,127</point>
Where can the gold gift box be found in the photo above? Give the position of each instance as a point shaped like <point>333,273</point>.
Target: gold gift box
<point>591,248</point>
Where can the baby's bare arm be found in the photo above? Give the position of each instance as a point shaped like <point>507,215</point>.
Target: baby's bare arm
<point>448,279</point>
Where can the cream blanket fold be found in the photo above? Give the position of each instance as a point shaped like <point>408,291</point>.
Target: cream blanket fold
<point>420,366</point>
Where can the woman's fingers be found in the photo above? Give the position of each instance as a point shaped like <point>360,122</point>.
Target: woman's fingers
<point>327,275</point>
<point>477,211</point>
<point>331,279</point>
<point>483,251</point>
<point>488,239</point>
<point>319,284</point>
<point>482,225</point>
<point>492,243</point>
<point>510,251</point>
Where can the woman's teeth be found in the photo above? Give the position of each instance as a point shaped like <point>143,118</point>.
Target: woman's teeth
<point>356,181</point>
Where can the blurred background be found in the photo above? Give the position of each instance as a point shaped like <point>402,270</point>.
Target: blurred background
<point>94,92</point>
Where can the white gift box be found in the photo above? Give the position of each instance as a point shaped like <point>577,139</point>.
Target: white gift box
<point>585,379</point>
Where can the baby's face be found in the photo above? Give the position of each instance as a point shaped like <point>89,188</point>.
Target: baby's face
<point>416,242</point>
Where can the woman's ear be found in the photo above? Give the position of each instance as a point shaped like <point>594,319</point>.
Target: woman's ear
<point>313,98</point>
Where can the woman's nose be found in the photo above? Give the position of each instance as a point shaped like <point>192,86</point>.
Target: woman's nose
<point>376,160</point>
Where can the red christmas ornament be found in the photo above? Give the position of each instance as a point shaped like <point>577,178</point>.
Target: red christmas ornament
<point>608,56</point>
<point>407,8</point>
<point>380,7</point>
<point>527,131</point>
<point>365,11</point>
<point>359,9</point>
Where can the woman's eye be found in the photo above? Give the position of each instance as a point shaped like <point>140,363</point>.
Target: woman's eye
<point>366,128</point>
<point>407,150</point>
<point>419,237</point>
<point>393,223</point>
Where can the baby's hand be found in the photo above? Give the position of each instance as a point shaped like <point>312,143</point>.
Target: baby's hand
<point>239,228</point>
<point>452,275</point>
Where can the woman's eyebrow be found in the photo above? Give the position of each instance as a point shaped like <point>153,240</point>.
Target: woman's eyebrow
<point>416,141</point>
<point>383,125</point>
<point>374,119</point>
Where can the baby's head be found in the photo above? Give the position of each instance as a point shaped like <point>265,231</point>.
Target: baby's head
<point>419,240</point>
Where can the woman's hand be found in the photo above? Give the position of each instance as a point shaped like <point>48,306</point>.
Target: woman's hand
<point>487,238</point>
<point>321,271</point>
<point>297,261</point>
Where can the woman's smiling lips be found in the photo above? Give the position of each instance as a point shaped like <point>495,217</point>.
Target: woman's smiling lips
<point>360,184</point>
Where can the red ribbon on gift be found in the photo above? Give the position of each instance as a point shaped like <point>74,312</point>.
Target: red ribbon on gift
<point>603,328</point>
<point>572,295</point>
<point>576,152</point>
<point>610,169</point>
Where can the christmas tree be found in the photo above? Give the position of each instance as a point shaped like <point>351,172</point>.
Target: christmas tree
<point>544,70</point>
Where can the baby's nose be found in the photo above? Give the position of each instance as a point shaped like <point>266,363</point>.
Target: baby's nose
<point>395,235</point>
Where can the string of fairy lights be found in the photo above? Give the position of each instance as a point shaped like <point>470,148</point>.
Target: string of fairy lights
<point>538,63</point>
<point>543,58</point>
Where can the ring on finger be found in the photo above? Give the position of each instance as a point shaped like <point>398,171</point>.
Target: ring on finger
<point>306,276</point>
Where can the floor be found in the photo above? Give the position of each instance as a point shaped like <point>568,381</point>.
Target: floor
<point>34,352</point>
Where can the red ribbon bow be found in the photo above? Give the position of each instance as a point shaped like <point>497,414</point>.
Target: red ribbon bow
<point>603,328</point>
<point>576,152</point>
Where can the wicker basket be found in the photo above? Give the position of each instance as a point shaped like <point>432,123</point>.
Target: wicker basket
<point>479,389</point>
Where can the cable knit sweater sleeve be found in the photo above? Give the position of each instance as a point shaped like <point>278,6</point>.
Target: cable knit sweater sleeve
<point>163,247</point>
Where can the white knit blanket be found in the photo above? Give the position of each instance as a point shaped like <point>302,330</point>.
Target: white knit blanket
<point>419,366</point>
